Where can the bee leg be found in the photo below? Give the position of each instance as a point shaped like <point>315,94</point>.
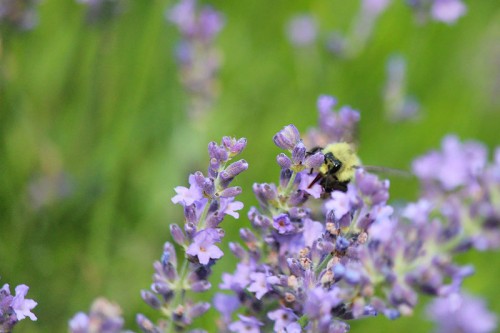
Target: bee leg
<point>314,150</point>
<point>318,177</point>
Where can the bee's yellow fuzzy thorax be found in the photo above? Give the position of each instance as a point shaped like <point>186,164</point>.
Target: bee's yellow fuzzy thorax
<point>345,153</point>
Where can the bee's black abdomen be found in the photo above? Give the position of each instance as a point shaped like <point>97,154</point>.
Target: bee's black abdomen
<point>330,183</point>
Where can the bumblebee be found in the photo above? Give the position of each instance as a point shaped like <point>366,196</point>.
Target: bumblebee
<point>339,167</point>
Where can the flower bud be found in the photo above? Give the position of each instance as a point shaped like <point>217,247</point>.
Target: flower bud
<point>287,138</point>
<point>177,234</point>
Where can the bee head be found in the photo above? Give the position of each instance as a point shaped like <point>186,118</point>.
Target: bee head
<point>332,163</point>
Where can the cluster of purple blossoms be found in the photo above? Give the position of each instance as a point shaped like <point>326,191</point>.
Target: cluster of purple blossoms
<point>447,11</point>
<point>461,313</point>
<point>14,308</point>
<point>207,201</point>
<point>196,54</point>
<point>20,14</point>
<point>312,260</point>
<point>463,187</point>
<point>104,316</point>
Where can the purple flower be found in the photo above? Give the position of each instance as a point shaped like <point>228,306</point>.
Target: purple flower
<point>229,207</point>
<point>204,246</point>
<point>326,103</point>
<point>461,313</point>
<point>239,280</point>
<point>183,15</point>
<point>292,328</point>
<point>211,23</point>
<point>282,318</point>
<point>457,165</point>
<point>14,308</point>
<point>79,323</point>
<point>340,204</point>
<point>21,306</point>
<point>384,227</point>
<point>448,11</point>
<point>246,325</point>
<point>418,212</point>
<point>187,196</point>
<point>302,30</point>
<point>226,305</point>
<point>312,231</point>
<point>375,7</point>
<point>103,317</point>
<point>287,138</point>
<point>261,283</point>
<point>283,224</point>
<point>320,302</point>
<point>334,126</point>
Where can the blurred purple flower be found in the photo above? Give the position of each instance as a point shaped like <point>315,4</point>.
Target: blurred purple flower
<point>226,305</point>
<point>302,30</point>
<point>461,313</point>
<point>261,283</point>
<point>448,11</point>
<point>246,325</point>
<point>104,317</point>
<point>282,318</point>
<point>457,165</point>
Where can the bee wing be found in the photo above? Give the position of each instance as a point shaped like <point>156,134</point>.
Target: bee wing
<point>386,170</point>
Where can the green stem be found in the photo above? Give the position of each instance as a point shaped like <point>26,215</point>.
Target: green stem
<point>180,290</point>
<point>323,264</point>
<point>289,187</point>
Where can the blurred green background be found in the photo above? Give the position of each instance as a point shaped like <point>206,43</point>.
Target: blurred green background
<point>94,133</point>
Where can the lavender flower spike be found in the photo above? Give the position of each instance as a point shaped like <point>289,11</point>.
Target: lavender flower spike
<point>198,58</point>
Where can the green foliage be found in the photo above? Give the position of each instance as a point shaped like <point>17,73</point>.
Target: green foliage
<point>99,110</point>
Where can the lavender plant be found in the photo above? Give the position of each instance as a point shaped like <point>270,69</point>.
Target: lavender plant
<point>312,260</point>
<point>207,201</point>
<point>198,59</point>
